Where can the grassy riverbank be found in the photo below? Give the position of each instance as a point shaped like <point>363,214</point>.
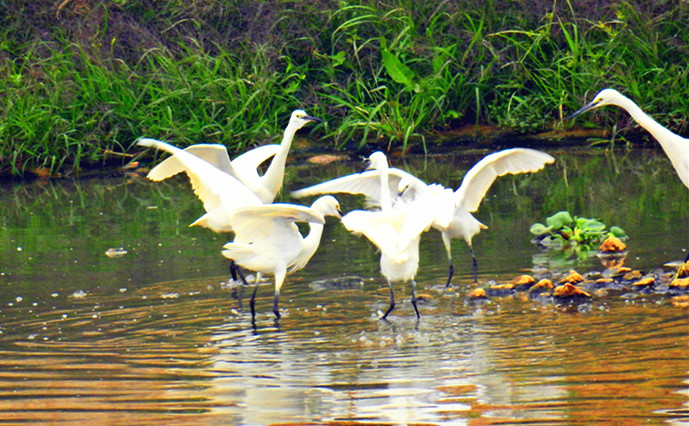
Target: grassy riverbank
<point>80,80</point>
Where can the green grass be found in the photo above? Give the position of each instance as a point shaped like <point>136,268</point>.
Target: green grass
<point>80,84</point>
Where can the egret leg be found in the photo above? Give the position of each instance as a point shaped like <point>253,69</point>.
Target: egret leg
<point>234,270</point>
<point>447,241</point>
<point>413,298</point>
<point>686,259</point>
<point>450,274</point>
<point>392,301</point>
<point>279,279</point>
<point>252,302</point>
<point>475,264</point>
<point>275,306</point>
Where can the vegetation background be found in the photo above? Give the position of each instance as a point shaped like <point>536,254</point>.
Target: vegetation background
<point>81,80</point>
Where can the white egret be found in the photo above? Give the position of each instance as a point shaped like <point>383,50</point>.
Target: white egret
<point>267,239</point>
<point>675,146</point>
<point>474,186</point>
<point>243,168</point>
<point>452,211</point>
<point>210,170</point>
<point>220,192</point>
<point>395,229</point>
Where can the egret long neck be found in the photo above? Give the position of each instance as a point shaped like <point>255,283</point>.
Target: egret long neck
<point>273,177</point>
<point>311,242</point>
<point>660,133</point>
<point>675,146</point>
<point>385,199</point>
<point>314,236</point>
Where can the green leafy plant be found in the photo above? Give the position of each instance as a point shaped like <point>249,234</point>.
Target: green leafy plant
<point>562,230</point>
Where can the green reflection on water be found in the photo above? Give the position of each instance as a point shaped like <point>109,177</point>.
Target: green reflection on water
<point>54,234</point>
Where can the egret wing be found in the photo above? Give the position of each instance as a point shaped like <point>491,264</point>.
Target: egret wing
<point>213,186</point>
<point>271,221</point>
<point>366,183</point>
<point>214,154</point>
<point>479,178</point>
<point>247,164</point>
<point>375,226</point>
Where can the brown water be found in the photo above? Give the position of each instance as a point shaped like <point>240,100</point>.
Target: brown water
<point>154,337</point>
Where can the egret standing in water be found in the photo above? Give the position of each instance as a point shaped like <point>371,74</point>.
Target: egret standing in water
<point>452,210</point>
<point>267,240</point>
<point>675,146</point>
<point>395,229</point>
<point>475,184</point>
<point>208,173</point>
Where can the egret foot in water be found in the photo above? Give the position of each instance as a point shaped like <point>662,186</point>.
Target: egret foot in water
<point>413,298</point>
<point>392,301</point>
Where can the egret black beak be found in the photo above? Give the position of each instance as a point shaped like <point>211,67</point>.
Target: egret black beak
<point>340,213</point>
<point>583,109</point>
<point>368,164</point>
<point>311,118</point>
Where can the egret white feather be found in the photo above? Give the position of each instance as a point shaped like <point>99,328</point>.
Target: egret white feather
<point>244,167</point>
<point>451,211</point>
<point>675,146</point>
<point>267,239</point>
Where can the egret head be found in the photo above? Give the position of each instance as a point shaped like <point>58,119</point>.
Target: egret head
<point>604,97</point>
<point>377,161</point>
<point>327,206</point>
<point>299,118</point>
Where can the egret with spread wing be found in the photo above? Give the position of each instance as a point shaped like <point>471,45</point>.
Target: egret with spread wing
<point>267,240</point>
<point>244,167</point>
<point>395,229</point>
<point>452,213</point>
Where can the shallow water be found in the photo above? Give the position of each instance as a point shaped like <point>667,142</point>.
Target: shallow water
<point>153,336</point>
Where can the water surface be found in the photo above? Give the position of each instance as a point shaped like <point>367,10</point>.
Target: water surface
<point>154,336</point>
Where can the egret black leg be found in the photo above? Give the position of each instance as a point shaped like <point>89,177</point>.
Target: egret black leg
<point>450,274</point>
<point>235,271</point>
<point>686,259</point>
<point>413,298</point>
<point>252,303</point>
<point>275,306</point>
<point>475,264</point>
<point>392,300</point>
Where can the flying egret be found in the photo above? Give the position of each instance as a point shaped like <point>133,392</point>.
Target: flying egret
<point>458,205</point>
<point>267,240</point>
<point>395,230</point>
<point>675,146</point>
<point>243,168</point>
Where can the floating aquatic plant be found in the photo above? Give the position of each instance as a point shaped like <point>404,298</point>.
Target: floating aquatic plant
<point>562,230</point>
